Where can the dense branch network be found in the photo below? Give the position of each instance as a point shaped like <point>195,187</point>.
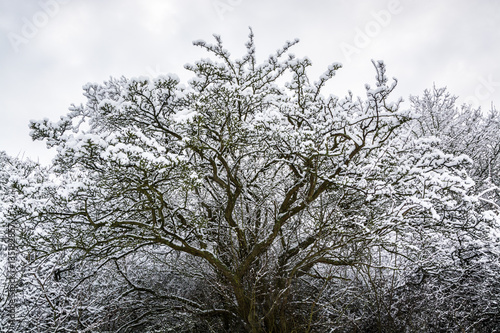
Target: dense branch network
<point>260,186</point>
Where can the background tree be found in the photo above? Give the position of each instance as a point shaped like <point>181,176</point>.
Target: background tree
<point>21,185</point>
<point>457,288</point>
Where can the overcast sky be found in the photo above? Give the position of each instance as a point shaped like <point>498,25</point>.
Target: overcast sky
<point>50,48</point>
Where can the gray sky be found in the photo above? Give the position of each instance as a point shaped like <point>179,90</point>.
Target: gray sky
<point>50,48</point>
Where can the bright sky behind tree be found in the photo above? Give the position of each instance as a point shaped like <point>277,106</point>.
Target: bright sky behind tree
<point>50,48</point>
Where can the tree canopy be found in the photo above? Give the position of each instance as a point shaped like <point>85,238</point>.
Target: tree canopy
<point>247,200</point>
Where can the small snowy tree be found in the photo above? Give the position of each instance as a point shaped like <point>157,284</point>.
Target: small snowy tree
<point>21,185</point>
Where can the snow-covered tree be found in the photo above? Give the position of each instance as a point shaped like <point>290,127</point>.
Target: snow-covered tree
<point>248,189</point>
<point>454,287</point>
<point>21,185</point>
